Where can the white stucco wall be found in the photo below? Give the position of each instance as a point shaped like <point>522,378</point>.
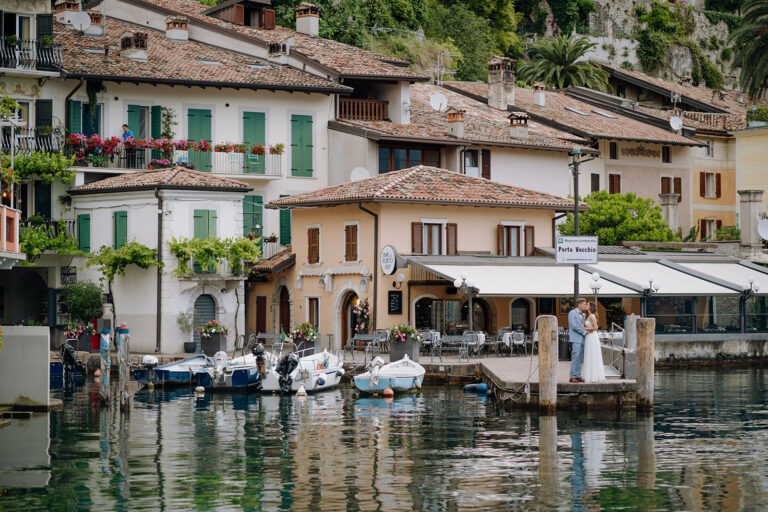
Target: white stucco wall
<point>24,364</point>
<point>350,151</point>
<point>544,171</point>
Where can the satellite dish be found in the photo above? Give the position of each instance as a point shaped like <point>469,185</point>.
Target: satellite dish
<point>762,229</point>
<point>675,122</point>
<point>438,102</point>
<point>359,173</point>
<point>80,21</point>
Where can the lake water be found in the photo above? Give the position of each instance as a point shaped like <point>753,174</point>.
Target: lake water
<point>705,447</point>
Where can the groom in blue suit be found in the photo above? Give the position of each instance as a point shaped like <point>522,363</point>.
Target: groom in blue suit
<point>576,333</point>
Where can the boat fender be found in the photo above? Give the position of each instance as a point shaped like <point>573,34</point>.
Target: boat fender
<point>339,373</point>
<point>320,381</point>
<point>477,388</point>
<point>301,391</point>
<point>388,392</point>
<point>199,390</point>
<point>416,383</point>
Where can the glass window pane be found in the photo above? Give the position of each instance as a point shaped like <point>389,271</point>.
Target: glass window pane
<point>384,159</point>
<point>718,314</point>
<point>432,158</point>
<point>424,314</point>
<point>673,314</point>
<point>414,157</point>
<point>401,159</point>
<point>452,317</point>
<point>437,315</point>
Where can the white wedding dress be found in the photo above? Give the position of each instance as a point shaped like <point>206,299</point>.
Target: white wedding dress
<point>594,371</point>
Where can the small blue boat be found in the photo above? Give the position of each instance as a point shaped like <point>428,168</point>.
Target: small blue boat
<point>177,373</point>
<point>401,376</point>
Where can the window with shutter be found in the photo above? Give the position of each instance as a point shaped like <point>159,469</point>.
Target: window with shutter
<point>285,226</point>
<point>718,185</point>
<point>417,231</point>
<point>703,228</point>
<point>530,241</point>
<point>718,224</point>
<point>84,232</point>
<point>678,183</point>
<point>45,55</point>
<point>451,241</point>
<point>119,229</point>
<point>595,183</point>
<point>432,240</point>
<point>75,117</point>
<point>666,155</point>
<point>254,132</point>
<point>199,128</point>
<point>613,150</point>
<point>703,184</point>
<point>614,184</point>
<point>313,311</point>
<point>500,240</point>
<point>486,164</point>
<point>510,240</point>
<point>313,243</point>
<point>350,242</point>
<point>252,214</point>
<point>301,145</point>
<point>665,185</point>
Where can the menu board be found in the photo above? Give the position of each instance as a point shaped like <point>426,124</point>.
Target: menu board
<point>395,303</point>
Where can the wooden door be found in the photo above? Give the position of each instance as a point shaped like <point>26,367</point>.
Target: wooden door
<point>285,311</point>
<point>261,314</point>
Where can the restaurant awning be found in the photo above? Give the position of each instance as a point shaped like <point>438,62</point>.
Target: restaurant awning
<point>671,280</point>
<point>528,280</point>
<point>737,273</point>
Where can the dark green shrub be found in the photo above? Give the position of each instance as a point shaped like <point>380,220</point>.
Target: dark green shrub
<point>85,300</point>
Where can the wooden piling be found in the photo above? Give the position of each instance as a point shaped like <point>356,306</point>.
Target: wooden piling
<point>646,328</point>
<point>547,328</point>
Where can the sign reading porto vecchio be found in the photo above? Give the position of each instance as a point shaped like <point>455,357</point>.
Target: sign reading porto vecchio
<point>573,250</point>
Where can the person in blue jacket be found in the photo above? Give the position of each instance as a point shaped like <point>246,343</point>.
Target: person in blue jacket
<point>576,333</point>
<point>127,132</point>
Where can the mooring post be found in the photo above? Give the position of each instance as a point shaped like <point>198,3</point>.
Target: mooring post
<point>106,340</point>
<point>630,331</point>
<point>122,360</point>
<point>547,328</point>
<point>548,459</point>
<point>646,328</point>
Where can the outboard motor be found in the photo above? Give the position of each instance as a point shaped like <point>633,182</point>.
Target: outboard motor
<point>70,363</point>
<point>258,353</point>
<point>149,362</point>
<point>284,369</point>
<point>219,364</point>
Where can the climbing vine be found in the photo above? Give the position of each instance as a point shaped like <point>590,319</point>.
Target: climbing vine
<point>208,253</point>
<point>48,166</point>
<point>36,240</point>
<point>92,88</point>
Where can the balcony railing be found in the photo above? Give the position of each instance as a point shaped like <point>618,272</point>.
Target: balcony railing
<point>55,227</point>
<point>366,110</point>
<point>29,54</point>
<point>9,234</point>
<point>28,140</point>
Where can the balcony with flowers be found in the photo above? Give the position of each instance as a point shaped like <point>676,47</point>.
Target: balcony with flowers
<point>227,158</point>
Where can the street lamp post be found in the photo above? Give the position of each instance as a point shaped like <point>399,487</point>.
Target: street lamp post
<point>467,286</point>
<point>576,153</point>
<point>595,284</point>
<point>749,289</point>
<point>650,287</point>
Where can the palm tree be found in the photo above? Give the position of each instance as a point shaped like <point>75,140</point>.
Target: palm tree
<point>559,62</point>
<point>751,40</point>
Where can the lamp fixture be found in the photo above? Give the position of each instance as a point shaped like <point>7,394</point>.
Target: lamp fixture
<point>399,280</point>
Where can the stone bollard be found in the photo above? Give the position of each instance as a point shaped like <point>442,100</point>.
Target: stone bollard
<point>547,328</point>
<point>646,328</point>
<point>630,331</point>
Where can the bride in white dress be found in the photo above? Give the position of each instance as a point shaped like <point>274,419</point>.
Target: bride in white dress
<point>594,371</point>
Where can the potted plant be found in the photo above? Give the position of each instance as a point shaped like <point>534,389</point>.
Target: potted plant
<point>277,149</point>
<point>258,149</point>
<point>186,325</point>
<point>201,145</point>
<point>213,337</point>
<point>12,40</point>
<point>404,339</point>
<point>222,147</point>
<point>79,334</point>
<point>159,163</point>
<point>85,301</point>
<point>271,238</point>
<point>305,336</point>
<point>46,41</point>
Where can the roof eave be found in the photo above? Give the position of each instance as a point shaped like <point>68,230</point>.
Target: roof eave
<point>353,200</point>
<point>409,78</point>
<point>140,188</point>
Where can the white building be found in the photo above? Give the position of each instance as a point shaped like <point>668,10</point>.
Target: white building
<point>152,206</point>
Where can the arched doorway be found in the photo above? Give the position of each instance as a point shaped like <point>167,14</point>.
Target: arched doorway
<point>204,312</point>
<point>284,317</point>
<point>348,317</point>
<point>481,320</point>
<point>520,314</point>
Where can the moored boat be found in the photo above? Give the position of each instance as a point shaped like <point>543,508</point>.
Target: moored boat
<point>400,376</point>
<point>177,373</point>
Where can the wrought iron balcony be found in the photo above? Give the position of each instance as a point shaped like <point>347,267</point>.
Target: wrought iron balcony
<point>31,55</point>
<point>27,140</point>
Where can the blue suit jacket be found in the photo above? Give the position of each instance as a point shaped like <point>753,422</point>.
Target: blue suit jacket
<point>576,332</point>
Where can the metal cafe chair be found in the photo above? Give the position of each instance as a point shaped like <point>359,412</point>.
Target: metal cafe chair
<point>381,336</point>
<point>464,348</point>
<point>518,342</point>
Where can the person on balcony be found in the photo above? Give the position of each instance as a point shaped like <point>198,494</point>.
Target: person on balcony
<point>127,132</point>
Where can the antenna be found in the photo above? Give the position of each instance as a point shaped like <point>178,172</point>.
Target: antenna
<point>762,228</point>
<point>440,70</point>
<point>438,102</point>
<point>675,122</point>
<point>80,21</point>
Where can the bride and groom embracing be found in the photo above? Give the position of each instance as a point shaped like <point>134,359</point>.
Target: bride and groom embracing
<point>582,334</point>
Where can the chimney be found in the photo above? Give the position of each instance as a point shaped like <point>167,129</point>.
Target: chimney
<point>308,19</point>
<point>540,94</point>
<point>518,126</point>
<point>278,52</point>
<point>133,45</point>
<point>501,82</point>
<point>177,28</point>
<point>751,206</point>
<point>456,122</point>
<point>668,203</point>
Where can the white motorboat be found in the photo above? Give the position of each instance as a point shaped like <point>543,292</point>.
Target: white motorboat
<point>402,375</point>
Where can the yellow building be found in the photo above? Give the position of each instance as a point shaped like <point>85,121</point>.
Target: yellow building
<point>339,234</point>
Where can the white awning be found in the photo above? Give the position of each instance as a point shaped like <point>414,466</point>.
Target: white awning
<point>529,280</point>
<point>671,281</point>
<point>738,275</point>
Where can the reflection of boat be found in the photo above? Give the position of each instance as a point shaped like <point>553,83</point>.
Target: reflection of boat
<point>316,372</point>
<point>399,404</point>
<point>171,374</point>
<point>402,375</point>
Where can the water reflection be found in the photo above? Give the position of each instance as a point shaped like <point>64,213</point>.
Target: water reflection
<point>703,448</point>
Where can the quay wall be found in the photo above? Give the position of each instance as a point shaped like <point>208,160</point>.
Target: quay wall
<point>24,364</point>
<point>710,348</point>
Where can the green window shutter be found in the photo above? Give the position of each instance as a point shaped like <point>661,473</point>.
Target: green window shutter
<point>43,113</point>
<point>254,133</point>
<point>252,212</point>
<point>75,120</point>
<point>301,145</point>
<point>120,228</point>
<point>84,232</point>
<point>157,121</point>
<point>285,226</point>
<point>201,224</point>
<point>44,26</point>
<point>134,119</point>
<point>211,223</point>
<point>199,128</point>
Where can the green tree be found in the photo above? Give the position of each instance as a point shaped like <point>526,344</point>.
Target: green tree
<point>752,48</point>
<point>113,262</point>
<point>556,63</point>
<point>614,218</point>
<point>84,300</point>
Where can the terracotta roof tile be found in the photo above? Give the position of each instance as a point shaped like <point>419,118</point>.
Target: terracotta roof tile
<point>276,263</point>
<point>427,185</point>
<point>703,122</point>
<point>483,124</point>
<point>172,177</point>
<point>180,61</point>
<point>578,116</point>
<point>342,59</point>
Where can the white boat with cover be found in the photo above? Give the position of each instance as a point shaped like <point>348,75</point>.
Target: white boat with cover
<point>402,375</point>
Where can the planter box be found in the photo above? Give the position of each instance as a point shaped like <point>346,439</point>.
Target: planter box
<point>398,350</point>
<point>213,343</point>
